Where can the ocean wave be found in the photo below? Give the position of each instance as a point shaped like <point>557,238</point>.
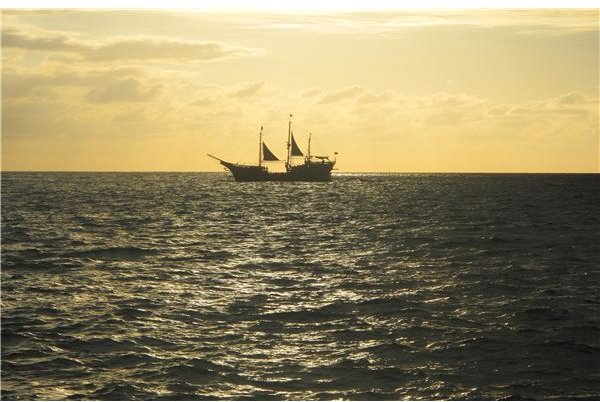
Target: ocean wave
<point>112,253</point>
<point>127,360</point>
<point>44,364</point>
<point>115,391</point>
<point>190,286</point>
<point>97,345</point>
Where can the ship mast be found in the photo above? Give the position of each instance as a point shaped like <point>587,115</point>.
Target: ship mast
<point>289,143</point>
<point>308,155</point>
<point>260,147</point>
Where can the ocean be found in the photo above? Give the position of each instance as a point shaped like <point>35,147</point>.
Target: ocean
<point>190,286</point>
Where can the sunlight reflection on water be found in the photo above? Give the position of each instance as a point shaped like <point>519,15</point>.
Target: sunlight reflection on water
<point>179,286</point>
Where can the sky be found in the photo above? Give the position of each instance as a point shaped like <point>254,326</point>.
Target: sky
<point>389,90</point>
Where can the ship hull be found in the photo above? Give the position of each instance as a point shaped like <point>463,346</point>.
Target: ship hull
<point>309,172</point>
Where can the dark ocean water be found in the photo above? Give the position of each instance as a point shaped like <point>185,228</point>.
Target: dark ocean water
<point>192,286</point>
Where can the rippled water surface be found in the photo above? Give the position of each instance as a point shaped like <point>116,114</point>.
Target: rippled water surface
<point>192,286</point>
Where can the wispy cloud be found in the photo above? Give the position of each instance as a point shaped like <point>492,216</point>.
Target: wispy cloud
<point>40,40</point>
<point>17,84</point>
<point>125,90</point>
<point>122,48</point>
<point>565,20</point>
<point>342,94</point>
<point>246,90</point>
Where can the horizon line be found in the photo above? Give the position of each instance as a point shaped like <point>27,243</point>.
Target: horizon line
<point>333,174</point>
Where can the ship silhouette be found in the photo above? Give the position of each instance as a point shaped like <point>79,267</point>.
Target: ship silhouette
<point>312,168</point>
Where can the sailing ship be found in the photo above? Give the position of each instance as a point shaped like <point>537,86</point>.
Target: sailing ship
<point>312,168</point>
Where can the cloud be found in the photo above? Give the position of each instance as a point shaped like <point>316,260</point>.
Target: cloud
<point>20,84</point>
<point>34,39</point>
<point>343,94</point>
<point>202,102</point>
<point>451,109</point>
<point>383,97</point>
<point>573,98</point>
<point>37,117</point>
<point>247,90</point>
<point>388,21</point>
<point>158,48</point>
<point>311,92</point>
<point>500,110</point>
<point>94,85</point>
<point>132,116</point>
<point>392,117</point>
<point>573,103</point>
<point>363,124</point>
<point>125,48</point>
<point>126,90</point>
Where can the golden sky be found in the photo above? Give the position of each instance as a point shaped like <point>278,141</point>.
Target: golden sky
<point>401,91</point>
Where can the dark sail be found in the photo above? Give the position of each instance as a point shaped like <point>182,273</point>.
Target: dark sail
<point>295,148</point>
<point>267,154</point>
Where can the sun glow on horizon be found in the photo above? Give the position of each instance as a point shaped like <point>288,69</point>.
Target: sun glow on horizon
<point>401,91</point>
